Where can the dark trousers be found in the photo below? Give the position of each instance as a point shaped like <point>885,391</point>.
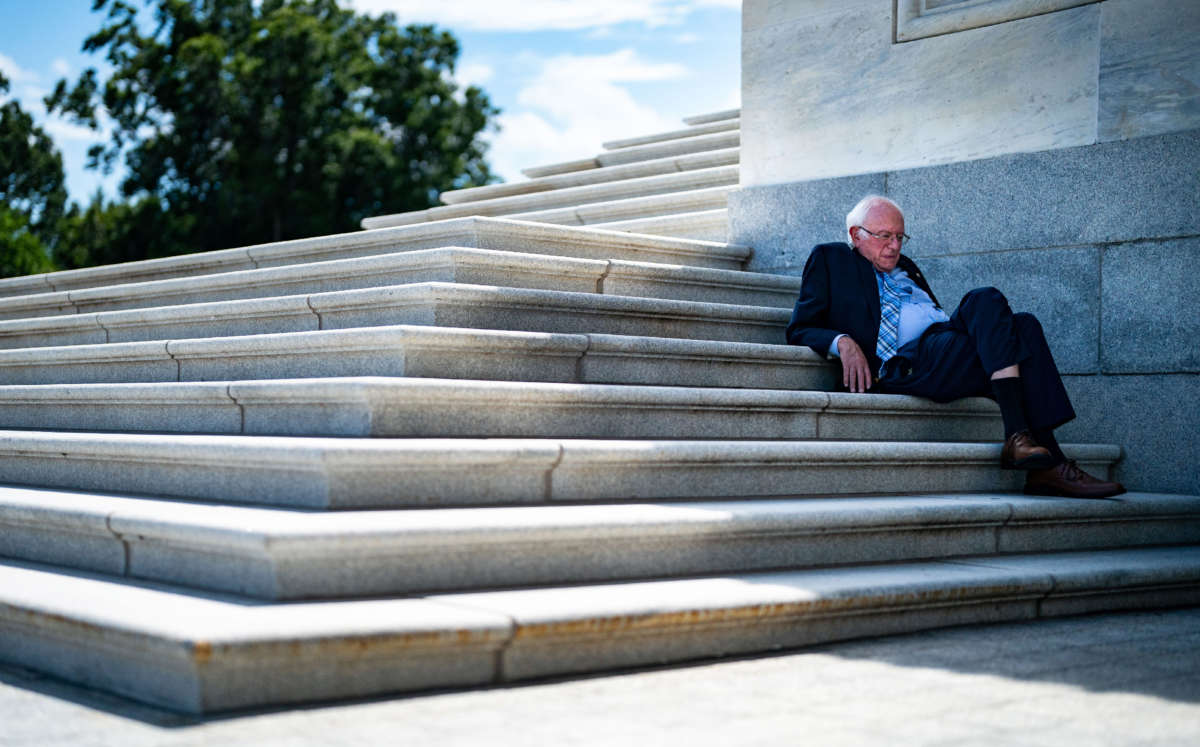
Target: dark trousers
<point>956,359</point>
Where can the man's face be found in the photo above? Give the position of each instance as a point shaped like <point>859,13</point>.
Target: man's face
<point>885,219</point>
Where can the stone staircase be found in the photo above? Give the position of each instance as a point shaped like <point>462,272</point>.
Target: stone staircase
<point>462,449</point>
<point>669,184</point>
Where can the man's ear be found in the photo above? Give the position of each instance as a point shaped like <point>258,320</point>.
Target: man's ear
<point>852,236</point>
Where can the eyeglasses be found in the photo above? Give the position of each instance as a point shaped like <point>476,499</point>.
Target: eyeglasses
<point>887,236</point>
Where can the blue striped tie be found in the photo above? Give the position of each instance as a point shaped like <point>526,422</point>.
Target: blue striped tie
<point>890,296</point>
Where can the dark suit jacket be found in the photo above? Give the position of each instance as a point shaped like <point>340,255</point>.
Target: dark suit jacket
<point>839,295</point>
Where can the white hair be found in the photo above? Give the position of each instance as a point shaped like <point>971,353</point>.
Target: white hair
<point>858,213</point>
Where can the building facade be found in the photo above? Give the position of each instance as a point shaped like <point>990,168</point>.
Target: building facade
<point>1048,147</point>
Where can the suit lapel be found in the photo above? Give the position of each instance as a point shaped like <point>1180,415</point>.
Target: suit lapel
<point>915,273</point>
<point>869,289</point>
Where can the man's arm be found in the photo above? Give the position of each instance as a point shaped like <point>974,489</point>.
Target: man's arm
<point>810,324</point>
<point>810,316</point>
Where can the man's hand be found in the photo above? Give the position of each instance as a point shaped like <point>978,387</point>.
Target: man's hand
<point>856,371</point>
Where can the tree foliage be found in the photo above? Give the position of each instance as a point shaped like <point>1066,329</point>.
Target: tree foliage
<point>32,191</point>
<point>106,232</point>
<point>243,121</point>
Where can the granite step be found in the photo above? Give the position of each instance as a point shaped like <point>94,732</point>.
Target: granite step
<point>678,147</point>
<point>431,303</point>
<point>562,167</point>
<point>275,554</point>
<point>349,473</point>
<point>426,351</point>
<point>480,233</point>
<point>450,264</point>
<point>412,408</point>
<point>706,128</point>
<point>704,225</point>
<point>708,198</point>
<point>669,165</point>
<point>210,652</point>
<point>568,197</point>
<point>699,119</point>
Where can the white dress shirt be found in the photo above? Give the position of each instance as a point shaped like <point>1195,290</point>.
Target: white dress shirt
<point>917,311</point>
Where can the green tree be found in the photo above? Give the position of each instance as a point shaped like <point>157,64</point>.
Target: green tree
<point>244,121</point>
<point>32,191</point>
<point>21,250</point>
<point>106,232</point>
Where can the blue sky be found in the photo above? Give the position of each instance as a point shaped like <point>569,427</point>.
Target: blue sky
<point>568,74</point>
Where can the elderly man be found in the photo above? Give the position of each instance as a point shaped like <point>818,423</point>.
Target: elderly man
<point>868,305</point>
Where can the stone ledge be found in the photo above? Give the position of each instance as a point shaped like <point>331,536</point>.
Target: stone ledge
<point>653,167</point>
<point>425,351</point>
<point>587,628</point>
<point>486,307</point>
<point>430,303</point>
<point>207,653</point>
<point>333,473</point>
<point>633,207</point>
<point>563,167</point>
<point>704,128</point>
<point>482,233</point>
<point>568,197</point>
<point>694,144</point>
<point>698,119</point>
<point>677,147</point>
<point>700,284</point>
<point>710,225</point>
<point>409,407</point>
<point>217,318</point>
<point>270,554</point>
<point>449,264</point>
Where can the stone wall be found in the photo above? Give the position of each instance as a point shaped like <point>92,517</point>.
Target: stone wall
<point>1102,242</point>
<point>1050,148</point>
<point>830,88</point>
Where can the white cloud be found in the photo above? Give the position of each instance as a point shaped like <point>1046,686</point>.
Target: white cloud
<point>63,131</point>
<point>473,74</point>
<point>539,15</point>
<point>14,72</point>
<point>61,67</point>
<point>24,86</point>
<point>27,91</point>
<point>572,105</point>
<point>687,38</point>
<point>30,94</point>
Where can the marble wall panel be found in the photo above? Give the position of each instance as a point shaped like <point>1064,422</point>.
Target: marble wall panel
<point>917,19</point>
<point>788,221</point>
<point>759,13</point>
<point>1149,67</point>
<point>1152,417</point>
<point>1131,190</point>
<point>1111,192</point>
<point>826,93</point>
<point>1149,293</point>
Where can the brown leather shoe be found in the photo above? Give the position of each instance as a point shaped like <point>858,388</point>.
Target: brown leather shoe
<point>1022,452</point>
<point>1069,481</point>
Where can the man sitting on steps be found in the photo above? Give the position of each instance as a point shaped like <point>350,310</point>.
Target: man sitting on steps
<point>869,305</point>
